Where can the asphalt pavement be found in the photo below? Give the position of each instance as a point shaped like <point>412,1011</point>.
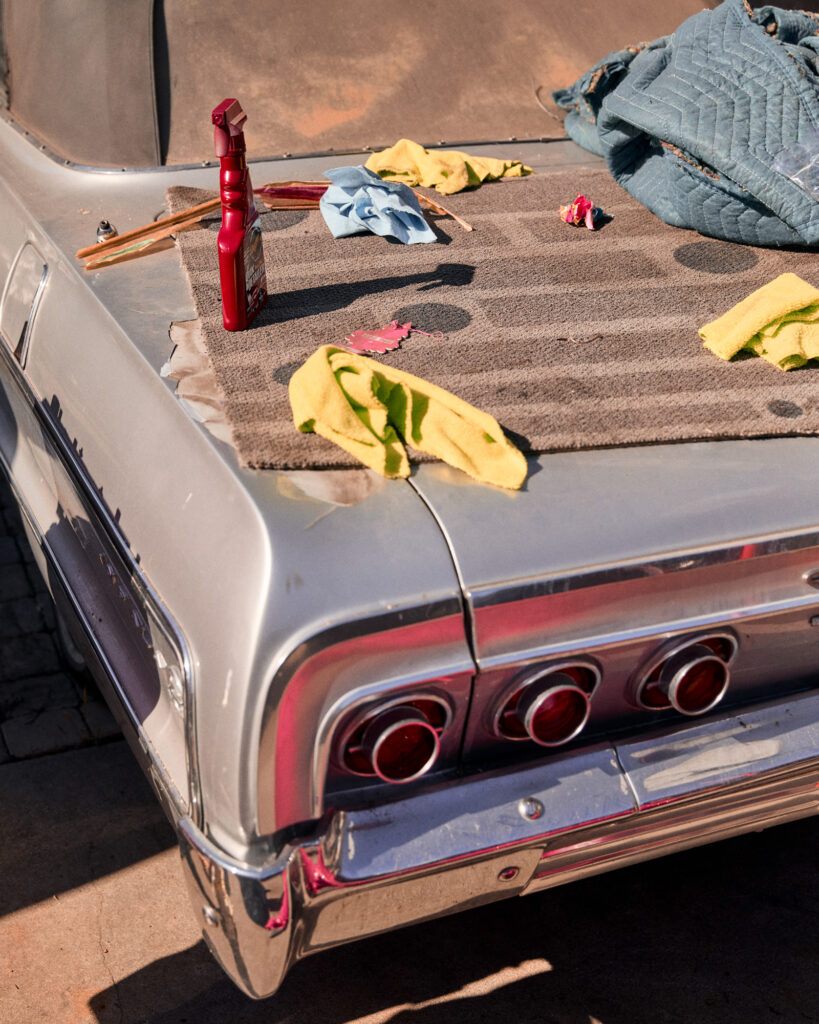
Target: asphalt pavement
<point>96,927</point>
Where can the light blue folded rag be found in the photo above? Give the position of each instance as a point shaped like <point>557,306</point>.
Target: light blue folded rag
<point>358,200</point>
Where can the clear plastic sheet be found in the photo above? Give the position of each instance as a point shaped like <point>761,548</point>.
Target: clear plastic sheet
<point>800,163</point>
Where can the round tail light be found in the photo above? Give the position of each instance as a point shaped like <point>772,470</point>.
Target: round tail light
<point>695,680</point>
<point>551,710</point>
<point>554,714</point>
<point>399,744</point>
<point>692,679</point>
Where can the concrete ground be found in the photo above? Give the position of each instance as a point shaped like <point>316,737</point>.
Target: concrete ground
<point>95,925</point>
<point>43,708</point>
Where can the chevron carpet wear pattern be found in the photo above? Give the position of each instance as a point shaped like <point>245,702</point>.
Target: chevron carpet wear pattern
<point>570,338</point>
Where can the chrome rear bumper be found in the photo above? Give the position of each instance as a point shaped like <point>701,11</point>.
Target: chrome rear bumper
<point>505,833</point>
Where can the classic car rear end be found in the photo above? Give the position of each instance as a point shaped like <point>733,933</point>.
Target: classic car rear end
<point>364,703</point>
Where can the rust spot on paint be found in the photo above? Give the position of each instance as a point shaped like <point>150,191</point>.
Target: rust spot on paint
<point>349,104</point>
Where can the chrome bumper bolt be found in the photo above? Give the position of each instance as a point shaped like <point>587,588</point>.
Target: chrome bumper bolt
<point>530,808</point>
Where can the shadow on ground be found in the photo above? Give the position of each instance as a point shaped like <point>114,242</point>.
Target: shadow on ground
<point>724,934</point>
<point>727,934</point>
<point>68,822</point>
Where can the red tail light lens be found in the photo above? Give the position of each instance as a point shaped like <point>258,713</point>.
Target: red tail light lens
<point>551,709</point>
<point>554,715</point>
<point>402,745</point>
<point>398,744</point>
<point>694,680</point>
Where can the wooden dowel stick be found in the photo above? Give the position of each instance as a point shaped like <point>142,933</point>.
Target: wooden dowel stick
<point>99,256</point>
<point>148,229</point>
<point>128,247</point>
<point>95,255</point>
<point>433,205</point>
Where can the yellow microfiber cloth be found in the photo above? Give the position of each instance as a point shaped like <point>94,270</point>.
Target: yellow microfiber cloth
<point>779,322</point>
<point>447,170</point>
<point>369,409</point>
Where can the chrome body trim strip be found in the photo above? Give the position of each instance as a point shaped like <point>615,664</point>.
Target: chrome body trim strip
<point>6,285</point>
<point>35,305</point>
<point>546,586</point>
<point>710,622</point>
<point>507,833</point>
<point>35,302</point>
<point>79,477</point>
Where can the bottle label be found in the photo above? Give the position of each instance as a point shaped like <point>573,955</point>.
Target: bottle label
<point>255,279</point>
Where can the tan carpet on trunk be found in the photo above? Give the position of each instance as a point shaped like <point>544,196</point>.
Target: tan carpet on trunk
<point>570,338</point>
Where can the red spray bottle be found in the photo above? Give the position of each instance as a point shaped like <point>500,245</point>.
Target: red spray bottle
<point>241,258</point>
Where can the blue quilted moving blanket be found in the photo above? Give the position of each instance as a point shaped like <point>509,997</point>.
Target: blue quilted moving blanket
<point>715,127</point>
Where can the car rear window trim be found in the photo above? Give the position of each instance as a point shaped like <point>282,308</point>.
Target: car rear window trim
<point>33,140</point>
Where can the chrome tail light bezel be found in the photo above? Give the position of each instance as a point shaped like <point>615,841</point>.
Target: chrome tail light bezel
<point>364,735</point>
<point>382,727</point>
<point>516,711</point>
<point>657,686</point>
